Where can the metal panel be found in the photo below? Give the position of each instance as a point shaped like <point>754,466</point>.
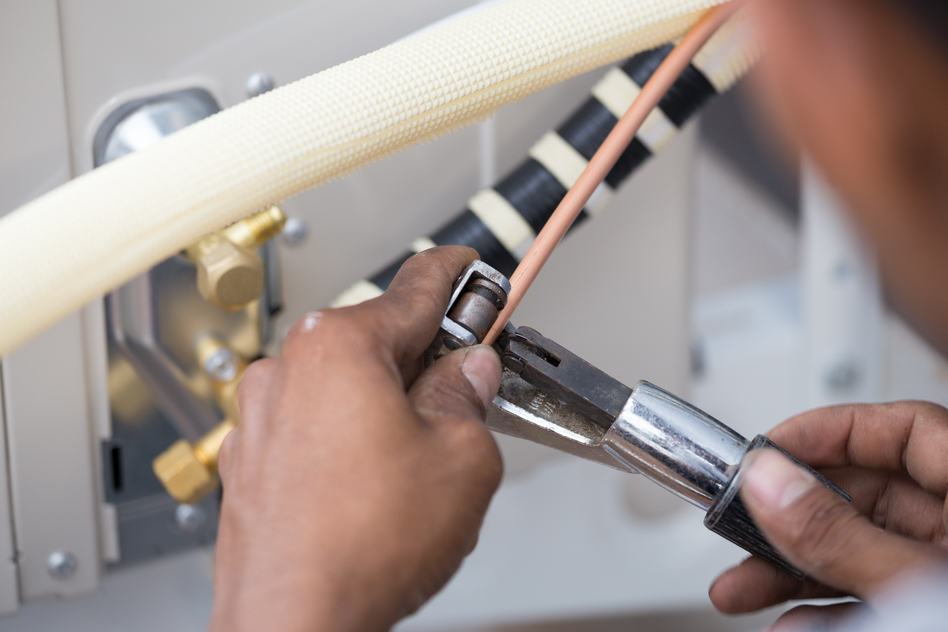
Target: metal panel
<point>115,52</point>
<point>50,468</point>
<point>9,592</point>
<point>55,506</point>
<point>34,155</point>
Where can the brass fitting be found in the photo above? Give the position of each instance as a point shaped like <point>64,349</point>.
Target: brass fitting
<point>256,230</point>
<point>189,472</point>
<point>229,273</point>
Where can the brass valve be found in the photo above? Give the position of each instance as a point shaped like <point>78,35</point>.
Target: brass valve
<point>229,273</point>
<point>189,472</point>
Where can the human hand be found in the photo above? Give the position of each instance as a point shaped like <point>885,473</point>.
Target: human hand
<point>355,483</point>
<point>891,458</point>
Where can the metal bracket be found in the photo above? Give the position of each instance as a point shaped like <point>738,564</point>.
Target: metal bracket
<point>525,411</point>
<point>452,334</point>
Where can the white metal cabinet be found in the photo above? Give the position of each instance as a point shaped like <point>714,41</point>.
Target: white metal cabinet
<point>51,465</point>
<point>55,504</point>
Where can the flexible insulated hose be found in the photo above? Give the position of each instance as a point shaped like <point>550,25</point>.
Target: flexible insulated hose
<point>117,221</point>
<point>501,222</point>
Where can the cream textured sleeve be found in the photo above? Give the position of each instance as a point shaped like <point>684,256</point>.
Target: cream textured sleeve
<point>111,224</point>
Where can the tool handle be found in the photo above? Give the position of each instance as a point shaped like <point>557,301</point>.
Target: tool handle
<point>729,518</point>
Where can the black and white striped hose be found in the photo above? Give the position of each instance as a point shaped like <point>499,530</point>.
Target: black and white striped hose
<point>502,221</point>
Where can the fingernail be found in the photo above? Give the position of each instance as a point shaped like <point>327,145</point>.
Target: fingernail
<point>481,367</point>
<point>772,480</point>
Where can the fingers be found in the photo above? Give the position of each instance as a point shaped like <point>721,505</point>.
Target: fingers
<point>255,393</point>
<point>754,585</point>
<point>460,385</point>
<point>819,532</point>
<point>394,328</point>
<point>894,502</point>
<point>904,436</point>
<point>255,397</point>
<point>414,304</point>
<point>812,618</point>
<point>453,396</point>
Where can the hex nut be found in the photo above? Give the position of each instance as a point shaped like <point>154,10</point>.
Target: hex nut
<point>183,475</point>
<point>228,275</point>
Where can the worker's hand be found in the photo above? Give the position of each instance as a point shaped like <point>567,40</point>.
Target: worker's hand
<point>355,483</point>
<point>892,459</point>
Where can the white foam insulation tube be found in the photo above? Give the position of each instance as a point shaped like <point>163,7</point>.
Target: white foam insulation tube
<point>89,236</point>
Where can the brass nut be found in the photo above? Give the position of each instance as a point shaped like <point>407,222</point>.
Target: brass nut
<point>183,475</point>
<point>228,275</point>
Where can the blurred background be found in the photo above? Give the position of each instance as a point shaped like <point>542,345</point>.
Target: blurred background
<point>724,271</point>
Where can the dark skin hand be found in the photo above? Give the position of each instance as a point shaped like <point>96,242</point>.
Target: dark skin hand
<point>890,457</point>
<point>353,488</point>
<point>862,87</point>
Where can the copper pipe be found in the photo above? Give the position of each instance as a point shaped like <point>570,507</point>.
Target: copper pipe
<point>606,157</point>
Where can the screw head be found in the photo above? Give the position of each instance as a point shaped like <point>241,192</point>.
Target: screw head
<point>294,232</point>
<point>221,365</point>
<point>258,84</point>
<point>61,564</point>
<point>842,376</point>
<point>190,518</point>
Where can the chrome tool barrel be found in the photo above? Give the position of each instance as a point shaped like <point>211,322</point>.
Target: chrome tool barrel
<point>683,449</point>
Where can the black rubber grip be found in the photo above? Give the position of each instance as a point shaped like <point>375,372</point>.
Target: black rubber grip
<point>729,518</point>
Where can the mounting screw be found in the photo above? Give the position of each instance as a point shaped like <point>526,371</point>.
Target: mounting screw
<point>295,232</point>
<point>190,518</point>
<point>258,84</point>
<point>221,365</point>
<point>61,564</point>
<point>842,376</point>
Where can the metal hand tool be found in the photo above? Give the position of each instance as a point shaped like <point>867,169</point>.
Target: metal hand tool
<point>553,397</point>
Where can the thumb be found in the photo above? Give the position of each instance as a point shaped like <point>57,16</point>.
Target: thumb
<point>819,532</point>
<point>460,385</point>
